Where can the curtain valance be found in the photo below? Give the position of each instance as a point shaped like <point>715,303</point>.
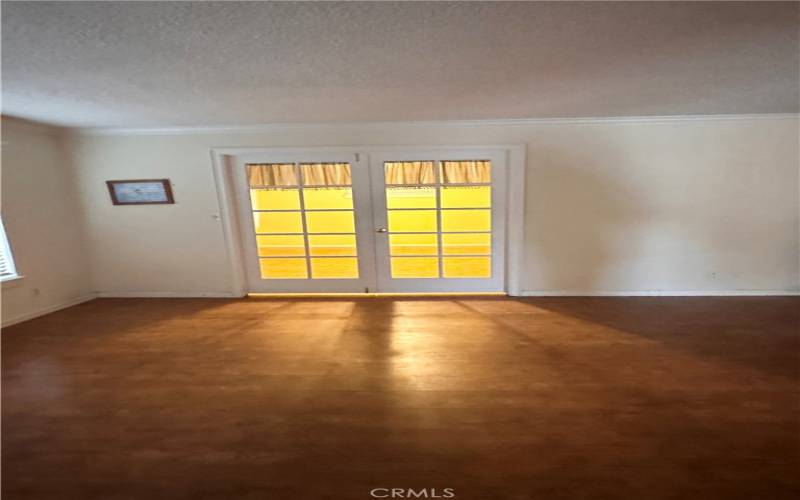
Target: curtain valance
<point>269,175</point>
<point>451,172</point>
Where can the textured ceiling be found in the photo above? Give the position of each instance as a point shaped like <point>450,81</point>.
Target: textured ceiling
<point>141,64</point>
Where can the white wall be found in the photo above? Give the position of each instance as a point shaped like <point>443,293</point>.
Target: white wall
<point>681,205</point>
<point>43,221</point>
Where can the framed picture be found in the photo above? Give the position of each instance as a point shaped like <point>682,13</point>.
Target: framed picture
<point>140,192</point>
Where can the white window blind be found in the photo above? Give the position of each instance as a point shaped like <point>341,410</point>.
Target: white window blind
<point>7,268</point>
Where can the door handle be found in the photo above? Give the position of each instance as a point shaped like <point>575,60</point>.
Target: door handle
<point>382,230</point>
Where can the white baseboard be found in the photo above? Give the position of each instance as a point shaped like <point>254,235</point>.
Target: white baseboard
<point>659,293</point>
<point>167,295</point>
<point>47,310</point>
<point>525,293</point>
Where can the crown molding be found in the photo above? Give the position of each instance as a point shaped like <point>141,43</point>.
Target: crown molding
<point>33,127</point>
<point>266,127</point>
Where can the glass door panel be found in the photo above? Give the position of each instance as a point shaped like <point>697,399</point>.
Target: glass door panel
<point>440,218</point>
<point>411,221</point>
<point>310,223</point>
<point>292,202</point>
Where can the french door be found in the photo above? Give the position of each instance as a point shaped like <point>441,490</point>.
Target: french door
<point>305,222</point>
<point>398,220</point>
<point>439,218</point>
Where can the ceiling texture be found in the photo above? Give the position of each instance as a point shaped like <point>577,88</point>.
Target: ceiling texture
<point>160,64</point>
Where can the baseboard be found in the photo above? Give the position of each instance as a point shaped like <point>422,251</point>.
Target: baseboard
<point>167,295</point>
<point>658,293</point>
<point>49,309</point>
<point>525,293</point>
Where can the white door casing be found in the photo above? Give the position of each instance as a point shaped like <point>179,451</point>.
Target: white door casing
<point>508,165</point>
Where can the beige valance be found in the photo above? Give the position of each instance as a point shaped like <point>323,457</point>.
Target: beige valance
<point>268,175</point>
<point>451,172</point>
<point>397,172</point>
<point>271,175</point>
<point>326,174</point>
<point>409,172</point>
<point>466,172</point>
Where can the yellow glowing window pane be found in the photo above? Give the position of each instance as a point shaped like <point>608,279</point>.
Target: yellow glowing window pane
<point>283,268</point>
<point>412,221</point>
<point>466,220</point>
<point>415,267</point>
<point>275,199</point>
<point>330,222</point>
<point>403,197</point>
<point>467,244</point>
<point>467,197</point>
<point>413,244</point>
<point>342,268</point>
<point>278,222</point>
<point>332,244</point>
<point>467,267</point>
<point>280,246</point>
<point>328,198</point>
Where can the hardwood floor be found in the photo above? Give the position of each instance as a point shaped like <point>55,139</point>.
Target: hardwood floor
<point>635,398</point>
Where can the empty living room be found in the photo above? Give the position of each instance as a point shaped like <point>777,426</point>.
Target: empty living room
<point>471,250</point>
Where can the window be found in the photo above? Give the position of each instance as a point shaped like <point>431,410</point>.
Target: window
<point>7,269</point>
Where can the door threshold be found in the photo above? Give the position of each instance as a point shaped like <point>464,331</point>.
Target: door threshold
<point>381,294</point>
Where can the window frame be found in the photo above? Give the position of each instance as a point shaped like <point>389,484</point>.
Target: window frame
<point>5,247</point>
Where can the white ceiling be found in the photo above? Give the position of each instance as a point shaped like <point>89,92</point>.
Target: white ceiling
<point>155,64</point>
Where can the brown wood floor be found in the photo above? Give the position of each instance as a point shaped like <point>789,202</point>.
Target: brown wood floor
<point>646,398</point>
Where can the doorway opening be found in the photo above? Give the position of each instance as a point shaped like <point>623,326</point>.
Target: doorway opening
<point>404,220</point>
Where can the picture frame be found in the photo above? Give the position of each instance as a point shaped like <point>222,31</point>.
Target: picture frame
<point>140,192</point>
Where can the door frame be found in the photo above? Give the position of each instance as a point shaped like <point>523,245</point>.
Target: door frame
<point>223,161</point>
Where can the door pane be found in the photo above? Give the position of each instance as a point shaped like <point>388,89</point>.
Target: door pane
<point>439,218</point>
<point>412,221</point>
<point>327,198</point>
<point>467,244</point>
<point>330,222</point>
<point>467,197</point>
<point>280,268</point>
<point>275,199</point>
<point>413,244</point>
<point>415,267</point>
<point>280,246</point>
<point>466,220</point>
<point>345,267</point>
<point>467,267</point>
<point>335,244</point>
<point>288,240</point>
<point>410,197</point>
<point>277,222</point>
